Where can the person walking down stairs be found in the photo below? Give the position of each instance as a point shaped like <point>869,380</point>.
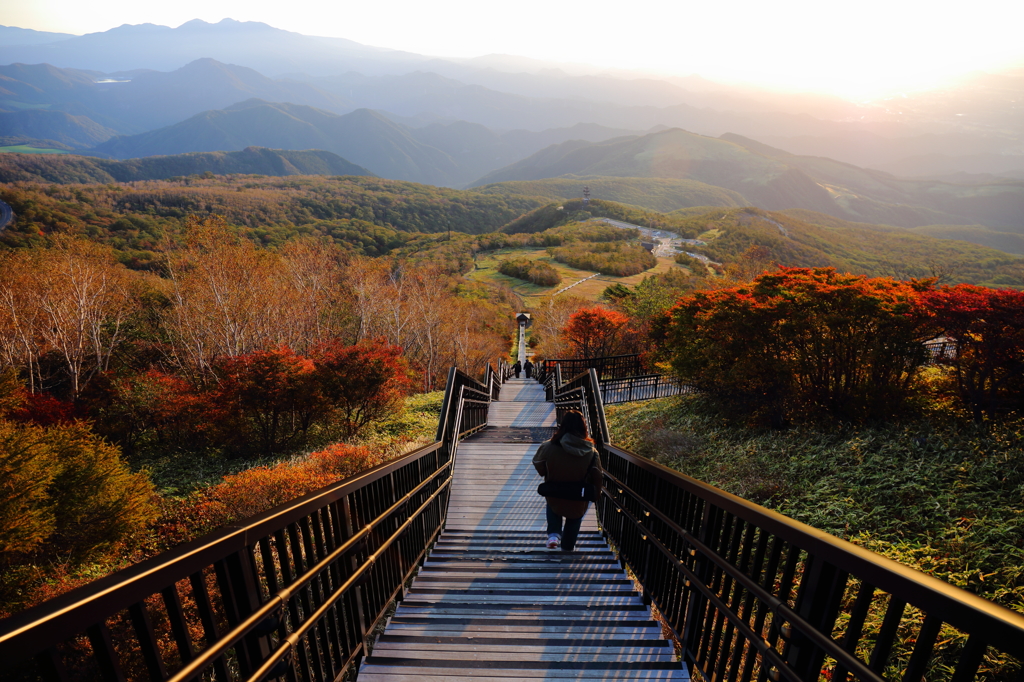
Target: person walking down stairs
<point>572,475</point>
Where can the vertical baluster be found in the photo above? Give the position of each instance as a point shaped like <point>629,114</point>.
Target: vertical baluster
<point>331,539</point>
<point>143,627</point>
<point>103,650</point>
<point>50,665</point>
<point>970,659</point>
<point>731,535</point>
<point>179,626</point>
<point>737,603</point>
<point>918,663</point>
<point>887,634</point>
<point>208,619</point>
<point>820,596</point>
<point>236,576</point>
<point>858,615</point>
<point>785,587</point>
<point>326,586</point>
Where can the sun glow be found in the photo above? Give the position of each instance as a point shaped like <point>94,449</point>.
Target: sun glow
<point>853,50</point>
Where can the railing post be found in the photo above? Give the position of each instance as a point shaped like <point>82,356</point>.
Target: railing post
<point>236,575</point>
<point>702,568</point>
<point>821,592</point>
<point>446,406</point>
<point>357,600</point>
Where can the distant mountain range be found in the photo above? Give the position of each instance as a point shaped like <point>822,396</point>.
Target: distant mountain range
<point>439,154</point>
<point>973,126</point>
<point>514,124</point>
<point>253,160</point>
<point>149,99</point>
<point>775,179</point>
<point>14,36</point>
<point>257,45</point>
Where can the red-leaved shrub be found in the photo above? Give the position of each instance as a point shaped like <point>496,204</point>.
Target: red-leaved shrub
<point>986,328</point>
<point>801,342</point>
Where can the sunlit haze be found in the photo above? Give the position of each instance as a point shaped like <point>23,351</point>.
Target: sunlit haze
<point>856,50</point>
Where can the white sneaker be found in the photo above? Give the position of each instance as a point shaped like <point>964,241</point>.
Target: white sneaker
<point>554,540</point>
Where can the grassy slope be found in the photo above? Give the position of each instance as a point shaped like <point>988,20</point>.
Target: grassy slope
<point>807,238</point>
<point>25,149</point>
<point>937,494</point>
<point>486,270</point>
<point>255,160</point>
<point>658,194</point>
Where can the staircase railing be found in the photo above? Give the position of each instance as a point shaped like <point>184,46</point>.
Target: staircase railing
<point>292,592</point>
<point>752,594</point>
<point>614,389</point>
<point>608,367</point>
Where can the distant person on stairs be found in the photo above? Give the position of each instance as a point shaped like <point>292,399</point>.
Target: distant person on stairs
<point>568,458</point>
<point>517,368</point>
<point>529,368</point>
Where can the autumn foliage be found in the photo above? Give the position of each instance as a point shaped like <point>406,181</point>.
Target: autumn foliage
<point>66,497</point>
<point>360,383</point>
<point>986,329</point>
<point>258,489</point>
<point>595,332</point>
<point>803,342</point>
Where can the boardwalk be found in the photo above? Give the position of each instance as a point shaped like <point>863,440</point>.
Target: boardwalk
<point>492,603</point>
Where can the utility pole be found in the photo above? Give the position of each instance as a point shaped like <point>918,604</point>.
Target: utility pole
<point>586,195</point>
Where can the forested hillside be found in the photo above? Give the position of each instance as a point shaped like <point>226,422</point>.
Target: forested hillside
<point>250,161</point>
<point>369,215</point>
<point>656,194</point>
<point>364,137</point>
<point>126,396</point>
<point>731,237</point>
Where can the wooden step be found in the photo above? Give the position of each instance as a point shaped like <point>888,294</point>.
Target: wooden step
<point>492,603</point>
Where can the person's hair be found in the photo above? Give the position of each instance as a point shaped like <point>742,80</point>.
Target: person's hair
<point>574,423</point>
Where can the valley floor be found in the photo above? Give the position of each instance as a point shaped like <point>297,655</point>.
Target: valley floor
<point>486,270</point>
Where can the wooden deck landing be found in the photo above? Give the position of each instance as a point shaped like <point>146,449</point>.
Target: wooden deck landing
<point>491,602</point>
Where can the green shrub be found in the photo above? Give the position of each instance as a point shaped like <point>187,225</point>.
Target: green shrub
<point>537,272</point>
<point>65,493</point>
<point>608,258</point>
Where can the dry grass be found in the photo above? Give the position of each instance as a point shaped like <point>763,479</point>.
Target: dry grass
<point>486,270</point>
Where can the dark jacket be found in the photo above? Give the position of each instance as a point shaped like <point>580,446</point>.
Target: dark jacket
<point>569,462</point>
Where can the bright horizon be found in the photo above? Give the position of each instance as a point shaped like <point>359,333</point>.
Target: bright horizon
<point>858,52</point>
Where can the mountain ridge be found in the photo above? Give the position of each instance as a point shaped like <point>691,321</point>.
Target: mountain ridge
<point>776,180</point>
<point>251,160</point>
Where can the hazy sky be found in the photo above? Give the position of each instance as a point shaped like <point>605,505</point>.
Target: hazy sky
<point>849,48</point>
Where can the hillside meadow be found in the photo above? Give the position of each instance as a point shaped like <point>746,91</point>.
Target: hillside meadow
<point>485,270</point>
<point>933,492</point>
<point>369,215</point>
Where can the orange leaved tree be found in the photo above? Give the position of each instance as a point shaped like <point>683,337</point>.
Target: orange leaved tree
<point>360,383</point>
<point>267,398</point>
<point>596,332</point>
<point>803,341</point>
<point>986,327</point>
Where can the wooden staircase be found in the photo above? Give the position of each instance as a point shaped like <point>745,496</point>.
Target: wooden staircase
<point>492,602</point>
